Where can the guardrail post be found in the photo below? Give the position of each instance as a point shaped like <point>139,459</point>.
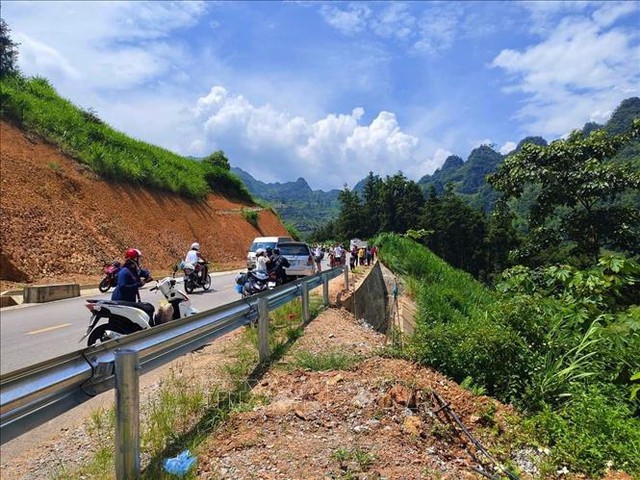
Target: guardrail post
<point>346,277</point>
<point>325,290</point>
<point>263,329</point>
<point>305,302</point>
<point>127,458</point>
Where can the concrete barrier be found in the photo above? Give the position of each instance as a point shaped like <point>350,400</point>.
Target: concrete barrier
<point>7,301</point>
<point>49,293</point>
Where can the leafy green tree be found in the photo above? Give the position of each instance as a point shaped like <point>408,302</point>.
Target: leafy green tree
<point>401,204</point>
<point>372,192</point>
<point>350,221</point>
<point>218,159</point>
<point>578,188</point>
<point>458,231</point>
<point>8,52</point>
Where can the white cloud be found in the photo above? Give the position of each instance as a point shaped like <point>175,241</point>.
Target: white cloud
<point>337,147</point>
<point>350,21</point>
<point>38,57</point>
<point>508,147</point>
<point>112,44</point>
<point>576,71</point>
<point>394,21</point>
<point>479,143</point>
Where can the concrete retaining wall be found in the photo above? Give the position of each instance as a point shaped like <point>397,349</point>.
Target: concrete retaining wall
<point>49,293</point>
<point>370,300</point>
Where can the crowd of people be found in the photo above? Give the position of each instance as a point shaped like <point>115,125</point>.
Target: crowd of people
<point>132,276</point>
<point>270,260</point>
<point>338,256</point>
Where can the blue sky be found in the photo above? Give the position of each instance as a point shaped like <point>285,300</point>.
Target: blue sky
<point>332,90</point>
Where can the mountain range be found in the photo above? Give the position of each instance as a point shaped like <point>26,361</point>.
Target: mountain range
<point>305,208</point>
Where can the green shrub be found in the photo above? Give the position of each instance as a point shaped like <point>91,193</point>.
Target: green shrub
<point>250,216</point>
<point>320,362</point>
<point>590,432</point>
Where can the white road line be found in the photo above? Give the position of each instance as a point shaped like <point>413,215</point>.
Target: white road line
<point>48,329</point>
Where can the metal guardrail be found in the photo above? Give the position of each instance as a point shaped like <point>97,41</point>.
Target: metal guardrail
<point>33,395</point>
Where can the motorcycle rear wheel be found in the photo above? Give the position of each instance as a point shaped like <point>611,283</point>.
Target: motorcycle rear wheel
<point>105,285</point>
<point>99,335</point>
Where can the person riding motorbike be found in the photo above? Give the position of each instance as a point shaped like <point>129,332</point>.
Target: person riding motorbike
<point>278,264</point>
<point>195,258</point>
<point>131,277</point>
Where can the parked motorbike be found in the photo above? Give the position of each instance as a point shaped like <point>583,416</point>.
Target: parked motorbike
<point>193,279</point>
<point>254,281</point>
<point>114,318</point>
<point>110,279</point>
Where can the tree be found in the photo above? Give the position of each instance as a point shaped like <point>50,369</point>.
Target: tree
<point>8,52</point>
<point>218,159</point>
<point>401,204</point>
<point>372,192</point>
<point>578,188</point>
<point>457,231</point>
<point>350,220</point>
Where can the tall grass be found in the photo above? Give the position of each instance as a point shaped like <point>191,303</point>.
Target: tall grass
<point>549,341</point>
<point>35,105</point>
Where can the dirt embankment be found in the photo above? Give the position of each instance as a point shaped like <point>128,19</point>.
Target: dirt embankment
<point>60,222</point>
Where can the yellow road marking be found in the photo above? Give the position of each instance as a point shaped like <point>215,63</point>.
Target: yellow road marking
<point>48,329</point>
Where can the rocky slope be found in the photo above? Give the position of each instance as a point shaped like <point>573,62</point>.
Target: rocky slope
<point>60,221</point>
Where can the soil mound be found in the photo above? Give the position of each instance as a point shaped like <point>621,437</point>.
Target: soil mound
<point>61,222</point>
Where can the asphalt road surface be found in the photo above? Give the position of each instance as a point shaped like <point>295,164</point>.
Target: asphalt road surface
<point>32,333</point>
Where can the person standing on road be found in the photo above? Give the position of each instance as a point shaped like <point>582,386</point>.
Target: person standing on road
<point>317,258</point>
<point>339,255</point>
<point>131,277</point>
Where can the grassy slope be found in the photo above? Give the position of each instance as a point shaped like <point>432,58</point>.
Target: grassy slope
<point>34,104</point>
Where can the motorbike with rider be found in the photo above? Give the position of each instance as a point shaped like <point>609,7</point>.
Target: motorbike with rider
<point>196,270</point>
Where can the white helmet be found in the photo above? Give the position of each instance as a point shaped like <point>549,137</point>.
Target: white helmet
<point>195,246</point>
<point>260,251</point>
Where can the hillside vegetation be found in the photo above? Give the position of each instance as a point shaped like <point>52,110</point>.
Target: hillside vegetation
<point>34,105</point>
<point>559,343</point>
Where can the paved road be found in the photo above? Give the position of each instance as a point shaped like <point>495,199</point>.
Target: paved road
<point>32,333</point>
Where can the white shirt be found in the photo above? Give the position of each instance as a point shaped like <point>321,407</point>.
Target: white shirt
<point>338,251</point>
<point>318,252</point>
<point>261,263</point>
<point>192,257</point>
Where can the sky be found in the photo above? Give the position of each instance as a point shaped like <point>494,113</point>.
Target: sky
<point>329,91</point>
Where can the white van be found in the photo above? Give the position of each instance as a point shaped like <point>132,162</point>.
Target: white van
<point>263,242</point>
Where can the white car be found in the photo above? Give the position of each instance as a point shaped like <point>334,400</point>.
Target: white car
<point>264,243</point>
<point>300,258</point>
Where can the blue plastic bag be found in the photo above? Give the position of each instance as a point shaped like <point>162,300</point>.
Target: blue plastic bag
<point>180,465</point>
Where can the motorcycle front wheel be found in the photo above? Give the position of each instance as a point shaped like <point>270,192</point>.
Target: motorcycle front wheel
<point>207,283</point>
<point>99,335</point>
<point>105,285</point>
<point>189,286</point>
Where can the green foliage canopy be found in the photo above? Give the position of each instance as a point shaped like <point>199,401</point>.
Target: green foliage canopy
<point>578,186</point>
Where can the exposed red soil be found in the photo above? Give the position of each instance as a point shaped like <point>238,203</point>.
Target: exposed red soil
<point>61,222</point>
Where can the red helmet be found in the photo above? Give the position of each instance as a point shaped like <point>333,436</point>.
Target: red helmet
<point>133,254</point>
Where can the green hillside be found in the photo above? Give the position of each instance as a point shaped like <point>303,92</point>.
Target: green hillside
<point>468,178</point>
<point>34,105</point>
<point>558,343</point>
<point>295,202</point>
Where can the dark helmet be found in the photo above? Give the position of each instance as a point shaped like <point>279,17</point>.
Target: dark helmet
<point>269,250</point>
<point>276,251</point>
